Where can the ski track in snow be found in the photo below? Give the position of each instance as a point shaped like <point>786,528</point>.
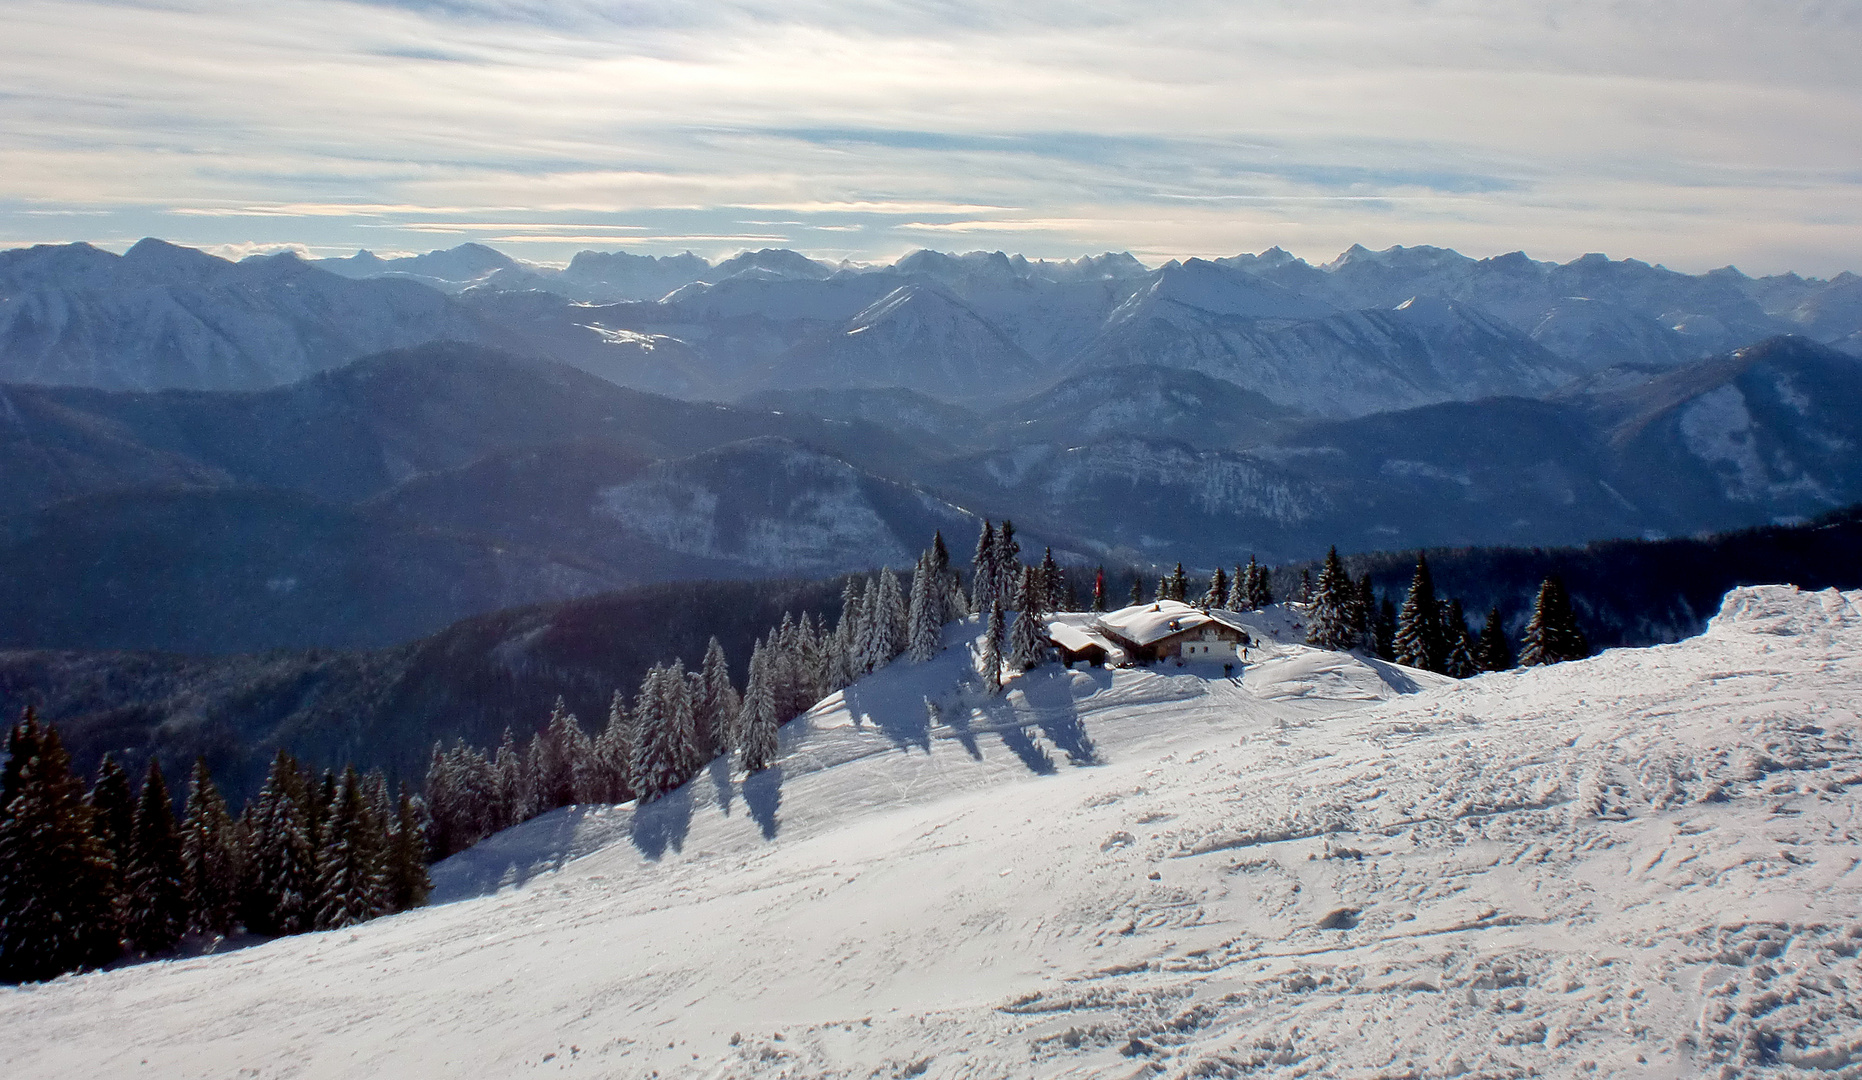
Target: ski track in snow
<point>1642,864</point>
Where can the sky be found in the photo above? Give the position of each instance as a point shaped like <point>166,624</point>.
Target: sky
<point>1694,134</point>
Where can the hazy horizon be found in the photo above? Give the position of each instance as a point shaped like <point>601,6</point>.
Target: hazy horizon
<point>236,252</point>
<point>1693,136</point>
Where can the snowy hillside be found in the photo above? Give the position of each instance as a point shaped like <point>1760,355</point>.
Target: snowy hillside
<point>1637,865</point>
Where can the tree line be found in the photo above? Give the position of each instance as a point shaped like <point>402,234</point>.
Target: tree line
<point>1431,633</point>
<point>678,721</point>
<point>88,876</point>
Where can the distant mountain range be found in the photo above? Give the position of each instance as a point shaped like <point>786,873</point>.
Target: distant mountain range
<point>384,499</point>
<point>387,498</point>
<point>1367,332</point>
<point>211,456</point>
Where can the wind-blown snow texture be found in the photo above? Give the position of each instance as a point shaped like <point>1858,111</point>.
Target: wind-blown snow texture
<point>1642,864</point>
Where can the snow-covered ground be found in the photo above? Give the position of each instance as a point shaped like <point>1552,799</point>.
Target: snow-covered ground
<point>1643,864</point>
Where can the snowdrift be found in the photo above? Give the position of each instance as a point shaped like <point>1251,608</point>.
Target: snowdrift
<point>1642,864</point>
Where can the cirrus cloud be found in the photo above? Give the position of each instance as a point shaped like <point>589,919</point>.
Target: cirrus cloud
<point>1695,134</point>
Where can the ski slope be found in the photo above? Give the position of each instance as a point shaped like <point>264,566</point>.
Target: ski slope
<point>1642,864</point>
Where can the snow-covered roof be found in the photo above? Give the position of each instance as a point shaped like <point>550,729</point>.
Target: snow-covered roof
<point>1143,624</point>
<point>1075,638</point>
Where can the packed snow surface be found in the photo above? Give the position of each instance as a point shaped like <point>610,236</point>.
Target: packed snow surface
<point>1642,864</point>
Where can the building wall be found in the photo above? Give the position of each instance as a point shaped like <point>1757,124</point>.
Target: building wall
<point>1205,643</point>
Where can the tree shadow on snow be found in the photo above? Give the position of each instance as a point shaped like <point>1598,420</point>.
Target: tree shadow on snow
<point>960,723</point>
<point>510,858</point>
<point>1069,733</point>
<point>1392,675</point>
<point>663,823</point>
<point>906,727</point>
<point>762,792</point>
<point>720,770</point>
<point>1050,693</point>
<point>1009,729</point>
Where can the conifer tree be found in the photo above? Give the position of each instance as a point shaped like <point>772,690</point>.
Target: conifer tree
<point>1053,583</point>
<point>1458,645</point>
<point>721,697</point>
<point>1217,595</point>
<point>407,884</point>
<point>1099,589</point>
<point>1459,663</point>
<point>983,574</point>
<point>758,718</point>
<point>1260,586</point>
<point>1493,652</point>
<point>1553,635</point>
<point>617,744</point>
<point>814,661</point>
<point>514,791</point>
<point>1028,639</point>
<point>57,913</point>
<point>211,855</point>
<point>1306,586</point>
<point>281,867</point>
<point>1383,631</point>
<point>552,758</point>
<point>943,578</point>
<point>953,601</point>
<point>1454,627</point>
<point>1175,586</point>
<point>704,724</point>
<point>322,805</point>
<point>1364,609</point>
<point>155,913</point>
<point>922,613</point>
<point>695,697</point>
<point>1136,596</point>
<point>1418,641</point>
<point>565,743</point>
<point>653,764</point>
<point>780,660</point>
<point>475,783</point>
<point>838,660</point>
<point>676,691</point>
<point>596,778</point>
<point>351,885</point>
<point>661,756</point>
<point>113,814</point>
<point>992,649</point>
<point>868,644</point>
<point>1008,563</point>
<point>1329,626</point>
<point>895,633</point>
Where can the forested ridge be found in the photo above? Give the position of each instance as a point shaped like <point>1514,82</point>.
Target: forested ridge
<point>90,874</point>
